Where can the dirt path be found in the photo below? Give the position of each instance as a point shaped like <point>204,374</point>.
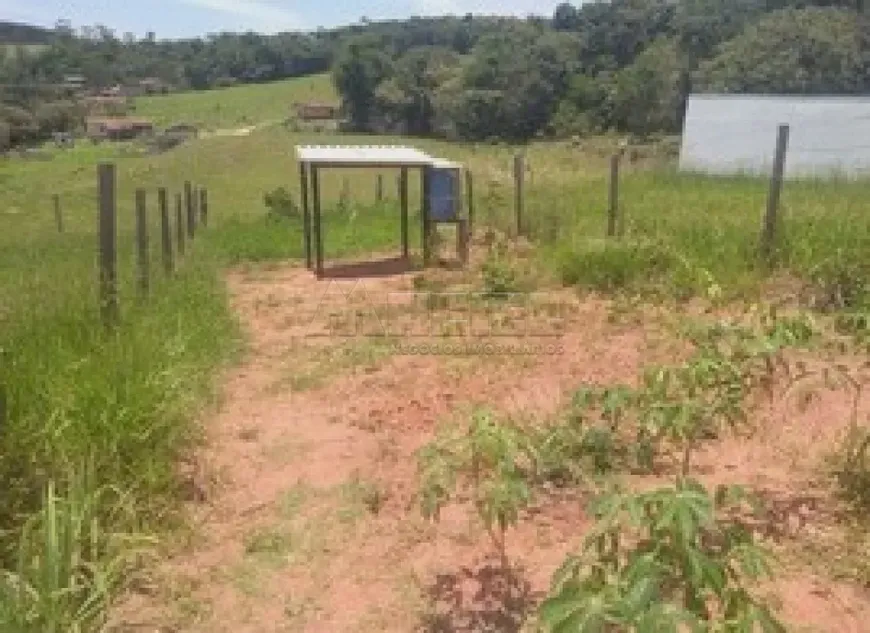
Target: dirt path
<point>312,524</point>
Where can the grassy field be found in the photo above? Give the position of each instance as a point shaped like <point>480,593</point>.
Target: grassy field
<point>230,108</point>
<point>118,407</point>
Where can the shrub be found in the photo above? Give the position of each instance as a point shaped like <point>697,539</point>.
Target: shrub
<point>280,204</point>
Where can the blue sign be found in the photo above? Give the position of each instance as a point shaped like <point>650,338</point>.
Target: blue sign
<point>443,199</point>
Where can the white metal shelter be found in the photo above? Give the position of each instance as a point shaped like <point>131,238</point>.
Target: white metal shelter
<point>313,158</point>
<point>734,134</point>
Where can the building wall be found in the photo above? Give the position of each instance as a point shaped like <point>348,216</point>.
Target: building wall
<point>733,134</point>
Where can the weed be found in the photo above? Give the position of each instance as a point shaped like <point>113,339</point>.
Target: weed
<point>69,566</point>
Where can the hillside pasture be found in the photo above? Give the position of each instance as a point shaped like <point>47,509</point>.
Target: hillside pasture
<point>235,107</point>
<point>134,406</point>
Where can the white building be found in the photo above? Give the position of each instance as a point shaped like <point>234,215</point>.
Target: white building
<point>733,134</point>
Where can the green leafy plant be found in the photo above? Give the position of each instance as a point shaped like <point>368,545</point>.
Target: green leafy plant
<point>499,276</point>
<point>280,204</point>
<point>588,439</point>
<point>489,457</point>
<point>69,568</point>
<point>672,559</point>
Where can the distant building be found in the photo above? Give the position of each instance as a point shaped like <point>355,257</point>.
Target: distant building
<point>106,106</point>
<point>153,86</point>
<point>315,111</point>
<point>117,128</point>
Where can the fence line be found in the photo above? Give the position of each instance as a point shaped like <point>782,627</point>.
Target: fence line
<point>197,203</point>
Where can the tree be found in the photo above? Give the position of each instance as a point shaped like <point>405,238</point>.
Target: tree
<point>565,18</point>
<point>794,51</point>
<point>359,68</point>
<point>408,98</point>
<point>647,97</point>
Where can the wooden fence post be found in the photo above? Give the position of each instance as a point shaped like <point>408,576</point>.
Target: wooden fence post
<point>188,204</point>
<point>469,194</point>
<point>142,259</point>
<point>379,188</point>
<point>203,207</point>
<point>613,206</point>
<point>519,177</point>
<point>179,222</point>
<point>58,213</point>
<point>345,191</point>
<point>768,235</point>
<point>165,230</point>
<point>403,204</point>
<point>4,407</point>
<point>462,240</point>
<point>107,244</point>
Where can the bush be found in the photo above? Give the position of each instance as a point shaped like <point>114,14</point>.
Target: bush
<point>281,204</point>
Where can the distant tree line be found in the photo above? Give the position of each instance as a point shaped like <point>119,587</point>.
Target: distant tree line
<point>623,65</point>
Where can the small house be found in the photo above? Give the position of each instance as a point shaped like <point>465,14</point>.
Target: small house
<point>106,106</point>
<point>117,128</point>
<point>153,86</point>
<point>314,111</point>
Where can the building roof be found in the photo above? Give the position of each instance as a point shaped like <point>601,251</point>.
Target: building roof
<point>364,156</point>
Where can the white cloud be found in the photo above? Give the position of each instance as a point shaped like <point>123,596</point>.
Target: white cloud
<point>256,14</point>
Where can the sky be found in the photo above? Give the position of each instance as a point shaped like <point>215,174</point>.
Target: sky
<point>183,18</point>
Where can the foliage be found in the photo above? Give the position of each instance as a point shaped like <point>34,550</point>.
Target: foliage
<point>611,266</point>
<point>490,457</point>
<point>648,93</point>
<point>69,565</point>
<point>359,68</point>
<point>804,51</point>
<point>660,561</point>
<point>280,203</point>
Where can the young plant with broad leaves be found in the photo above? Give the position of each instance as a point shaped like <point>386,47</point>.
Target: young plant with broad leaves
<point>670,560</point>
<point>491,458</point>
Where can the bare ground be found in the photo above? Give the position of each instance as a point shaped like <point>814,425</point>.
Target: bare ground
<point>311,523</point>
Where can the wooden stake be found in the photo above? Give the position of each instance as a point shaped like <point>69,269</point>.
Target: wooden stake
<point>771,221</point>
<point>519,177</point>
<point>188,204</point>
<point>179,223</point>
<point>107,244</point>
<point>58,215</point>
<point>203,206</point>
<point>142,259</point>
<point>403,203</point>
<point>165,230</point>
<point>613,206</point>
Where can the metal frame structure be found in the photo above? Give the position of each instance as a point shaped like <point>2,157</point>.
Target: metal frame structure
<point>313,159</point>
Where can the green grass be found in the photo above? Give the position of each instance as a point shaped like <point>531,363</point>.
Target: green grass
<point>124,403</point>
<point>238,106</point>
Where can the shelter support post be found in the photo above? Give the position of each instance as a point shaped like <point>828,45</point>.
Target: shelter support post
<point>426,223</point>
<point>306,212</point>
<point>403,196</point>
<point>318,230</point>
